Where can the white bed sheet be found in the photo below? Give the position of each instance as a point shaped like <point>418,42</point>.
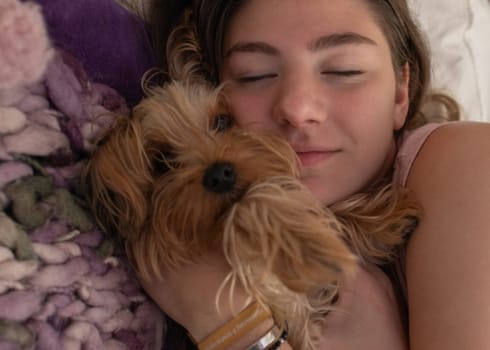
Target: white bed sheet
<point>458,32</point>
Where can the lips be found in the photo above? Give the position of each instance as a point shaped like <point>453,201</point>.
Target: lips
<point>309,158</point>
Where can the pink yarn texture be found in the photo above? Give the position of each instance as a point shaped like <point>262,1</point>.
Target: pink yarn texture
<point>25,49</point>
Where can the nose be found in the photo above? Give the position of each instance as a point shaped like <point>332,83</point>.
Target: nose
<point>219,177</point>
<point>300,101</point>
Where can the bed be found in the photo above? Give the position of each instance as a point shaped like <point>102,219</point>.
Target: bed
<point>63,283</point>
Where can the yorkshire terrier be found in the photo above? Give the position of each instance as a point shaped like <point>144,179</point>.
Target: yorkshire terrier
<point>179,178</point>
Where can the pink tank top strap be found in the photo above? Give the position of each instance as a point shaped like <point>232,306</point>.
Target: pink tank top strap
<point>409,146</point>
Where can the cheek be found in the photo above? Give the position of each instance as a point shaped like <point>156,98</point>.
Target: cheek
<point>366,109</point>
<point>375,133</point>
<point>249,111</point>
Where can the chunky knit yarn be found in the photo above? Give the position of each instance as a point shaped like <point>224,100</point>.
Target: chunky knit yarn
<point>63,283</point>
<point>25,45</point>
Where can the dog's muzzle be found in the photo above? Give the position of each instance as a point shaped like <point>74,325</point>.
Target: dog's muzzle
<point>219,177</point>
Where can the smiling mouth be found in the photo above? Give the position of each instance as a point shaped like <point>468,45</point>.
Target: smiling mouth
<point>310,158</point>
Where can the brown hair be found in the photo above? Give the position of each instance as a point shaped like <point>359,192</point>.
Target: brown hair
<point>212,17</point>
<point>408,45</point>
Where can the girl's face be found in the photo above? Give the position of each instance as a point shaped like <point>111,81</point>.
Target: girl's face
<point>319,72</point>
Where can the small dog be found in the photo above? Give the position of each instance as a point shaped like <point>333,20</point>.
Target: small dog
<point>178,178</point>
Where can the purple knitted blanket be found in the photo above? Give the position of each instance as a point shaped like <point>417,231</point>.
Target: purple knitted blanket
<point>63,283</point>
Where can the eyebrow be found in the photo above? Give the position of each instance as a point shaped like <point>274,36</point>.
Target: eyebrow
<point>252,47</point>
<point>323,42</point>
<point>339,39</point>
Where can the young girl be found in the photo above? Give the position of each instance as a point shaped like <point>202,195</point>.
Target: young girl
<point>343,81</point>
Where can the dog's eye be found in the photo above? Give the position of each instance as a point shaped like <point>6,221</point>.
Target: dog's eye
<point>222,122</point>
<point>162,162</point>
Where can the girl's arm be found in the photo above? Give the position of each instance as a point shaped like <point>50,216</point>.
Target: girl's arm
<point>366,318</point>
<point>188,295</point>
<point>448,257</point>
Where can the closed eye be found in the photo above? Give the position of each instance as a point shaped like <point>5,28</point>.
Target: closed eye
<point>255,78</point>
<point>343,73</point>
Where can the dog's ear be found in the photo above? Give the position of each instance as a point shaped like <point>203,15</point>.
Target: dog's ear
<point>279,228</point>
<point>117,178</point>
<point>376,223</point>
<point>184,55</point>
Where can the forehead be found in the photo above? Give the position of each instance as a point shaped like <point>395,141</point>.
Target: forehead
<point>293,22</point>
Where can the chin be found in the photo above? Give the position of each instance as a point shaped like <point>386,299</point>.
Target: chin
<point>323,192</point>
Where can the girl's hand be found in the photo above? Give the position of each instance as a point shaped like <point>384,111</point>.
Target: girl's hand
<point>188,295</point>
<point>366,316</point>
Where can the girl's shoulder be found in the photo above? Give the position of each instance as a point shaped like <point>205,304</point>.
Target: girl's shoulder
<point>447,255</point>
<point>440,141</point>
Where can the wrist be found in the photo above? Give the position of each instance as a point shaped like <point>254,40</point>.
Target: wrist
<point>274,339</point>
<point>203,324</point>
<point>261,334</point>
<point>251,337</point>
<point>252,329</point>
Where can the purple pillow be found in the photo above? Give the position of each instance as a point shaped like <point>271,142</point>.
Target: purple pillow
<point>112,43</point>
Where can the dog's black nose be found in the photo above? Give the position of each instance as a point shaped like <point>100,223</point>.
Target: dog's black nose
<point>219,178</point>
